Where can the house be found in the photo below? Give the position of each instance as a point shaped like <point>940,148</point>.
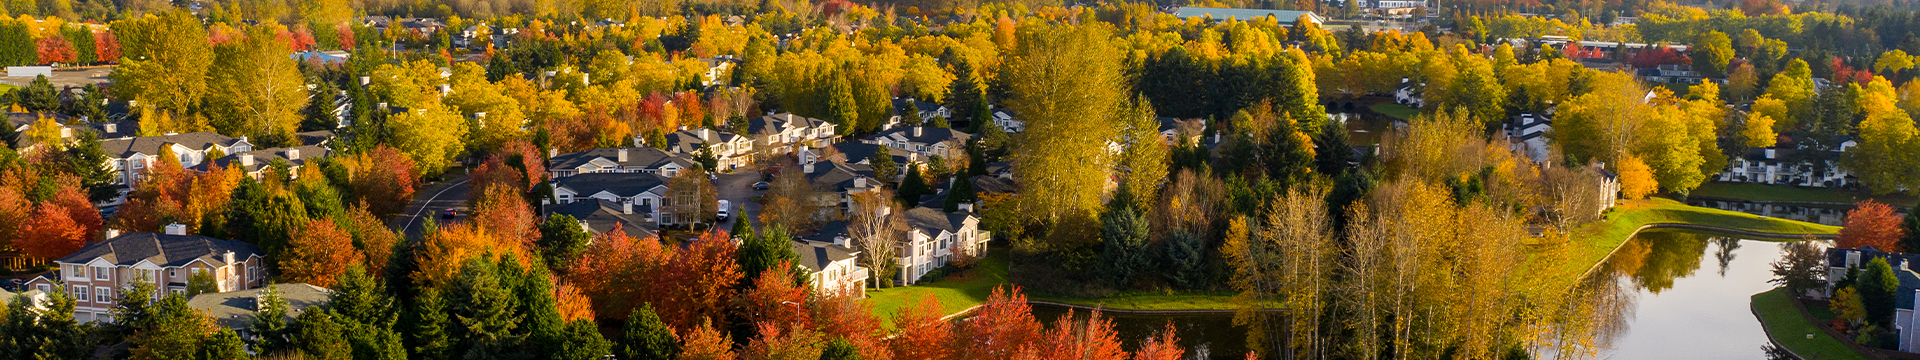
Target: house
<point>1408,93</point>
<point>1906,321</point>
<point>786,133</point>
<point>927,141</point>
<point>38,298</point>
<point>838,183</point>
<point>832,265</point>
<point>1527,134</point>
<point>1788,166</point>
<point>258,163</point>
<point>97,273</point>
<point>332,57</point>
<point>730,151</point>
<point>599,216</point>
<point>925,110</point>
<point>629,159</point>
<point>1609,187</point>
<point>1176,131</point>
<point>1005,120</point>
<point>647,193</point>
<point>236,309</point>
<point>130,157</point>
<point>1670,73</point>
<point>719,70</point>
<point>1284,17</point>
<point>863,154</point>
<point>934,238</point>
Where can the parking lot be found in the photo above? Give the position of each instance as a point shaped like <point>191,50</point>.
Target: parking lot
<point>64,78</point>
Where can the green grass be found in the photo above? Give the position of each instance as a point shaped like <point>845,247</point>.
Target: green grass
<point>7,88</point>
<point>1151,301</point>
<point>1787,327</point>
<point>1395,110</point>
<point>1598,239</point>
<point>955,292</point>
<point>1764,192</point>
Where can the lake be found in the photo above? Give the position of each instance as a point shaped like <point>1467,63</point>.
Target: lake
<point>1682,295</point>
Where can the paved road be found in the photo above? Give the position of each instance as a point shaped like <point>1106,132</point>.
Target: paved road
<point>738,189</point>
<point>430,201</point>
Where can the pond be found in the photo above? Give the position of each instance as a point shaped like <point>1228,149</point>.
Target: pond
<point>1681,295</point>
<point>1835,215</point>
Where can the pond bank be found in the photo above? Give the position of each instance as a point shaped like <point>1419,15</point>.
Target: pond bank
<point>1789,325</point>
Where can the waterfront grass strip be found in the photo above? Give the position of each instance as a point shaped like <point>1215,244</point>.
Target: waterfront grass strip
<point>1782,193</point>
<point>955,292</point>
<point>1788,327</point>
<point>1395,110</point>
<point>1600,238</point>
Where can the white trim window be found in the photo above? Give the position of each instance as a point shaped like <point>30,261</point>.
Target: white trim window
<point>101,273</point>
<point>103,295</point>
<point>79,292</point>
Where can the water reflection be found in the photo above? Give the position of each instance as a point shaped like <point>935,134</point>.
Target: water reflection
<point>1824,215</point>
<point>1648,302</point>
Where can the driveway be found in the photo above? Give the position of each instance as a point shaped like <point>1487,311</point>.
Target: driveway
<point>737,188</point>
<point>430,201</point>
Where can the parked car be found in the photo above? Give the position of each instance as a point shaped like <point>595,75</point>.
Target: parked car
<point>762,185</point>
<point>722,211</point>
<point>449,214</point>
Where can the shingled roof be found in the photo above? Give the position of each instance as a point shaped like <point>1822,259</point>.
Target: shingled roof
<point>645,157</point>
<point>236,309</point>
<point>264,157</point>
<point>150,145</point>
<point>162,250</point>
<point>622,184</point>
<point>601,216</point>
<point>817,255</point>
<point>780,122</point>
<point>932,220</point>
<point>837,176</point>
<point>928,135</point>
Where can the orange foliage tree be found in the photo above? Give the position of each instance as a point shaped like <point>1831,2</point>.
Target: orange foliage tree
<point>705,343</point>
<point>774,298</point>
<point>444,252</point>
<point>1002,326</point>
<point>572,304</point>
<point>1163,347</point>
<point>1092,340</point>
<point>852,318</point>
<point>318,254</point>
<point>14,212</point>
<point>51,234</point>
<point>698,282</point>
<point>55,49</point>
<point>384,178</point>
<point>920,324</point>
<point>615,271</point>
<point>1871,224</point>
<point>503,213</point>
<point>372,236</point>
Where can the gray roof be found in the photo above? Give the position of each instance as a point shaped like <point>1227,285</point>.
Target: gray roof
<point>1285,17</point>
<point>622,184</point>
<point>643,157</point>
<point>988,184</point>
<point>317,137</point>
<point>924,108</point>
<point>932,220</point>
<point>690,139</point>
<point>601,216</point>
<point>817,255</point>
<point>858,152</point>
<point>828,231</point>
<point>837,176</point>
<point>235,309</point>
<point>264,157</point>
<point>928,135</point>
<point>780,122</point>
<point>121,129</point>
<point>162,250</point>
<point>150,145</point>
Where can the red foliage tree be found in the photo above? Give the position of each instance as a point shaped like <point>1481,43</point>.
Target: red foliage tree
<point>852,318</point>
<point>774,298</point>
<point>1163,347</point>
<point>1001,327</point>
<point>14,212</point>
<point>106,47</point>
<point>318,254</point>
<point>55,49</point>
<point>504,214</point>
<point>50,233</point>
<point>530,160</point>
<point>70,200</point>
<point>698,282</point>
<point>615,271</point>
<point>691,108</point>
<point>1844,73</point>
<point>1093,339</point>
<point>384,178</point>
<point>299,39</point>
<point>375,240</point>
<point>1871,224</point>
<point>1662,55</point>
<point>346,37</point>
<point>919,325</point>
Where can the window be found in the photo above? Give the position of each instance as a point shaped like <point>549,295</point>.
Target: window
<point>103,294</point>
<point>76,271</point>
<point>101,273</point>
<point>173,273</point>
<point>44,287</point>
<point>79,293</point>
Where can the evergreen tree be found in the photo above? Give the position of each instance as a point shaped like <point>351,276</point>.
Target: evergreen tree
<point>542,326</point>
<point>1124,236</point>
<point>482,307</point>
<point>765,251</point>
<point>39,96</point>
<point>884,168</point>
<point>360,298</point>
<point>1911,239</point>
<point>842,110</point>
<point>320,337</point>
<point>940,122</point>
<point>1331,155</point>
<point>646,338</point>
<point>960,192</point>
<point>49,333</point>
<point>742,229</point>
<point>910,115</point>
<point>273,334</point>
<point>131,312</point>
<point>430,334</point>
<point>1878,289</point>
<point>839,349</point>
<point>582,341</point>
<point>966,93</point>
<point>224,344</point>
<point>85,158</point>
<point>562,239</point>
<point>912,187</point>
<point>976,158</point>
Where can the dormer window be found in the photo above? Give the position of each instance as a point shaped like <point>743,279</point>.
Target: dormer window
<point>101,273</point>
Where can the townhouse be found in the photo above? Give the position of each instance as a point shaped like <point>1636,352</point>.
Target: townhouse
<point>832,262</point>
<point>730,151</point>
<point>1789,166</point>
<point>934,238</point>
<point>946,143</point>
<point>99,272</point>
<point>640,194</point>
<point>258,163</point>
<point>838,183</point>
<point>128,158</point>
<point>599,216</point>
<point>618,160</point>
<point>785,133</point>
<point>236,309</point>
<point>864,154</point>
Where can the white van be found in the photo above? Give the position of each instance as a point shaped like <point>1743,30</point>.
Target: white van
<point>722,212</point>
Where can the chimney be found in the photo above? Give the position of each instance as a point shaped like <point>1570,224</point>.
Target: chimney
<point>364,80</point>
<point>246,159</point>
<point>293,154</point>
<point>626,208</point>
<point>111,128</point>
<point>381,106</point>
<point>113,233</point>
<point>584,227</point>
<point>66,132</point>
<point>1769,153</point>
<point>966,207</point>
<point>843,241</point>
<point>228,256</point>
<point>705,135</point>
<point>807,169</point>
<point>623,155</point>
<point>176,229</point>
<point>858,182</point>
<point>445,89</point>
<point>554,152</point>
<point>133,103</point>
<point>917,131</point>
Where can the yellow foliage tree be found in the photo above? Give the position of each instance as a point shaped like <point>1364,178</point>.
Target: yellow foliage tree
<point>1636,178</point>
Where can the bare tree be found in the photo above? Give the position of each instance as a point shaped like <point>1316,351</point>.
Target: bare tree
<point>1573,195</point>
<point>791,201</point>
<point>694,198</point>
<point>876,228</point>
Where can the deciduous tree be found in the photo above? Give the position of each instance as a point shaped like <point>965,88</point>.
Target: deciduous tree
<point>318,253</point>
<point>1871,223</point>
<point>1066,82</point>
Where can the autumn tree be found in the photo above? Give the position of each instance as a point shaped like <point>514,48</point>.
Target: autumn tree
<point>999,329</point>
<point>1800,268</point>
<point>1711,52</point>
<point>1884,160</point>
<point>873,224</point>
<point>165,61</point>
<point>383,178</point>
<point>259,90</point>
<point>318,253</point>
<point>1066,82</point>
<point>698,282</point>
<point>705,343</point>
<point>1873,224</point>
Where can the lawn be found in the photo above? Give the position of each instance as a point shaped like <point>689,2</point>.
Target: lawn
<point>955,292</point>
<point>1789,328</point>
<point>1601,237</point>
<point>4,88</point>
<point>1151,301</point>
<point>1395,110</point>
<point>1764,192</point>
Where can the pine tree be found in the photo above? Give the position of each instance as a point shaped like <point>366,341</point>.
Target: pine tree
<point>482,307</point>
<point>582,341</point>
<point>270,324</point>
<point>965,95</point>
<point>562,239</point>
<point>913,186</point>
<point>883,166</point>
<point>960,192</point>
<point>742,229</point>
<point>360,298</point>
<point>940,122</point>
<point>430,326</point>
<point>646,338</point>
<point>840,349</point>
<point>910,115</point>
<point>765,251</point>
<point>85,157</point>
<point>321,337</point>
<point>224,344</point>
<point>842,110</point>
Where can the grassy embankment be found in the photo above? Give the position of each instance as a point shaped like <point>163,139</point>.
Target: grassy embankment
<point>1395,110</point>
<point>1764,192</point>
<point>1789,328</point>
<point>1600,238</point>
<point>971,288</point>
